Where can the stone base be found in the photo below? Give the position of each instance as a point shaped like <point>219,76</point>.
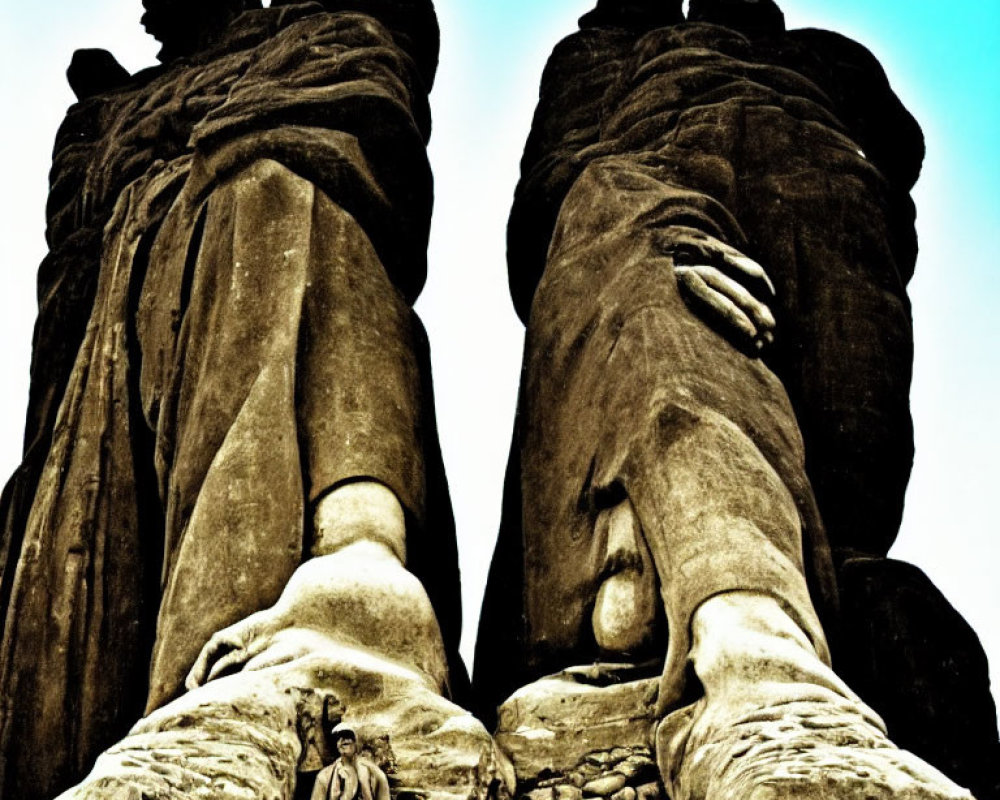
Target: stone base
<point>584,732</point>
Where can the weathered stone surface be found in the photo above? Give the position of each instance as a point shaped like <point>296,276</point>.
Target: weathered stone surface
<point>236,239</point>
<point>570,792</point>
<point>649,791</point>
<point>605,786</point>
<point>612,381</point>
<point>577,721</point>
<point>413,25</point>
<point>586,732</point>
<point>661,76</point>
<point>238,738</point>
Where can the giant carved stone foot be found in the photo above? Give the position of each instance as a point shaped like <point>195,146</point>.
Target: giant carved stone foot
<point>353,638</point>
<point>247,736</point>
<point>775,723</point>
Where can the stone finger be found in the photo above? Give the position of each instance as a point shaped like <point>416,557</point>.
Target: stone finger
<point>747,266</point>
<point>758,312</point>
<point>718,306</point>
<point>198,675</point>
<point>234,657</point>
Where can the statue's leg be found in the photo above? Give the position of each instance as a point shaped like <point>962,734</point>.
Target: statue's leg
<point>294,371</point>
<point>220,388</point>
<point>292,471</point>
<point>632,402</point>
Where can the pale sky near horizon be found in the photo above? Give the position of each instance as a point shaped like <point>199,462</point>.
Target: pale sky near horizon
<point>941,60</point>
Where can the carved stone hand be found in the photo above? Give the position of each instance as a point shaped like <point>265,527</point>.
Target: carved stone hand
<point>724,286</point>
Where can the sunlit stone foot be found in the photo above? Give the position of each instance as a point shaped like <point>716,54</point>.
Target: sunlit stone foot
<point>775,723</point>
<point>353,638</point>
<point>248,735</point>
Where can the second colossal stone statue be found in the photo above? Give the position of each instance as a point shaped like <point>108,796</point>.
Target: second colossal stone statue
<point>709,246</point>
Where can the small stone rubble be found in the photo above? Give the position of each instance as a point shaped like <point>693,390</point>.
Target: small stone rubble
<point>622,773</point>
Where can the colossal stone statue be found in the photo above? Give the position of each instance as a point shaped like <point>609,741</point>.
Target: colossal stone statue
<point>232,462</point>
<point>691,475</point>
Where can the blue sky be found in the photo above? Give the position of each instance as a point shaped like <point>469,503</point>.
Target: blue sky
<point>940,58</point>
